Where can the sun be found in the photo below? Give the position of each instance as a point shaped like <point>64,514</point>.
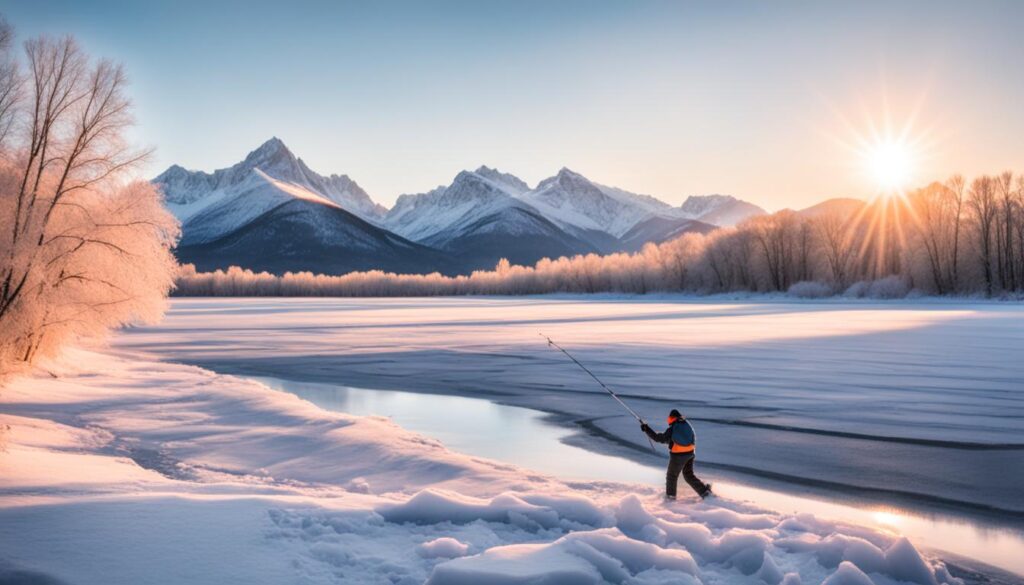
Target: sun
<point>891,164</point>
<point>888,147</point>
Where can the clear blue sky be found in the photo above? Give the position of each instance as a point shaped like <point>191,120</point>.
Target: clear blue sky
<point>666,98</point>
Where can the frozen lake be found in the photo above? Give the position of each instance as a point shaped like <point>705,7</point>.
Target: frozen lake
<point>915,407</point>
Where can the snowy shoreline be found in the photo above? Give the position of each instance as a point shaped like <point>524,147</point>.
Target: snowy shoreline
<point>759,297</point>
<point>208,478</point>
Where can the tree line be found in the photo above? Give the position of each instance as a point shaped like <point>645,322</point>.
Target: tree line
<point>948,238</point>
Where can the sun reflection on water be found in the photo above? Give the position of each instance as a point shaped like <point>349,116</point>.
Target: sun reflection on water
<point>887,518</point>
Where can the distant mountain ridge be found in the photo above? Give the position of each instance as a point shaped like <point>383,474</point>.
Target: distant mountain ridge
<point>480,218</point>
<point>272,212</point>
<point>186,190</point>
<point>572,200</point>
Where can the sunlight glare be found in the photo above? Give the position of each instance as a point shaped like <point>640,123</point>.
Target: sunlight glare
<point>891,164</point>
<point>887,518</point>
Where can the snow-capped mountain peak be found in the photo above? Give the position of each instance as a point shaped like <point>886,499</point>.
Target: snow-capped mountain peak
<point>573,200</point>
<point>700,204</point>
<point>273,149</point>
<point>471,194</point>
<point>272,157</point>
<point>182,186</point>
<point>190,193</point>
<point>508,181</point>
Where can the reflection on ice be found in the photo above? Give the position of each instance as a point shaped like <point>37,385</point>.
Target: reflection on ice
<point>477,427</point>
<point>887,518</point>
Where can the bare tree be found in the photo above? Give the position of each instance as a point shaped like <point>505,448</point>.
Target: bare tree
<point>981,200</point>
<point>934,210</point>
<point>837,245</point>
<point>804,264</point>
<point>1005,247</point>
<point>1019,227</point>
<point>955,185</point>
<point>776,236</point>
<point>10,82</point>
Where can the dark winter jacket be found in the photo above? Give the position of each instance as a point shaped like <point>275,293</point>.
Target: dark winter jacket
<point>679,436</point>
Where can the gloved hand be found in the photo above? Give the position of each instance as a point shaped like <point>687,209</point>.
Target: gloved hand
<point>644,427</point>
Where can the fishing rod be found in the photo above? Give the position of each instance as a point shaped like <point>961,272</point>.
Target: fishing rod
<point>551,343</point>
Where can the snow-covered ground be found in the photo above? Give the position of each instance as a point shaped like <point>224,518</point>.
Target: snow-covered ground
<point>119,468</point>
<point>123,470</point>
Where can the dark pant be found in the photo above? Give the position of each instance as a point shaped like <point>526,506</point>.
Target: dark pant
<point>682,462</point>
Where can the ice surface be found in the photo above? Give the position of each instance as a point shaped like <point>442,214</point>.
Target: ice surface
<point>870,397</point>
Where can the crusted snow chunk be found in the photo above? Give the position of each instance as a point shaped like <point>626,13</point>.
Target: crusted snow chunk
<point>631,517</point>
<point>723,518</point>
<point>848,574</point>
<point>738,547</point>
<point>580,558</point>
<point>434,506</point>
<point>769,571</point>
<point>445,546</point>
<point>906,564</point>
<point>358,485</point>
<point>836,548</point>
<point>573,508</point>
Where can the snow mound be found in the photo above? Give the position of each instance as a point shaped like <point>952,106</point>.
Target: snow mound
<point>848,574</point>
<point>736,547</point>
<point>625,542</point>
<point>358,485</point>
<point>432,506</point>
<point>890,287</point>
<point>855,556</point>
<point>580,558</point>
<point>445,546</point>
<point>810,289</point>
<point>905,564</point>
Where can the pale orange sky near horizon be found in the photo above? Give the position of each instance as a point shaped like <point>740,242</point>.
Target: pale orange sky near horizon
<point>760,101</point>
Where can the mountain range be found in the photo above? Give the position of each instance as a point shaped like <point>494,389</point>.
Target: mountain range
<point>272,212</point>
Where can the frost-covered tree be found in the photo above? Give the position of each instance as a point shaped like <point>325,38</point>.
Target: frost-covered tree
<point>934,209</point>
<point>836,246</point>
<point>1005,229</point>
<point>82,249</point>
<point>981,200</point>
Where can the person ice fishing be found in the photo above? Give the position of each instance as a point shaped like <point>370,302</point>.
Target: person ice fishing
<point>682,445</point>
<point>680,437</point>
